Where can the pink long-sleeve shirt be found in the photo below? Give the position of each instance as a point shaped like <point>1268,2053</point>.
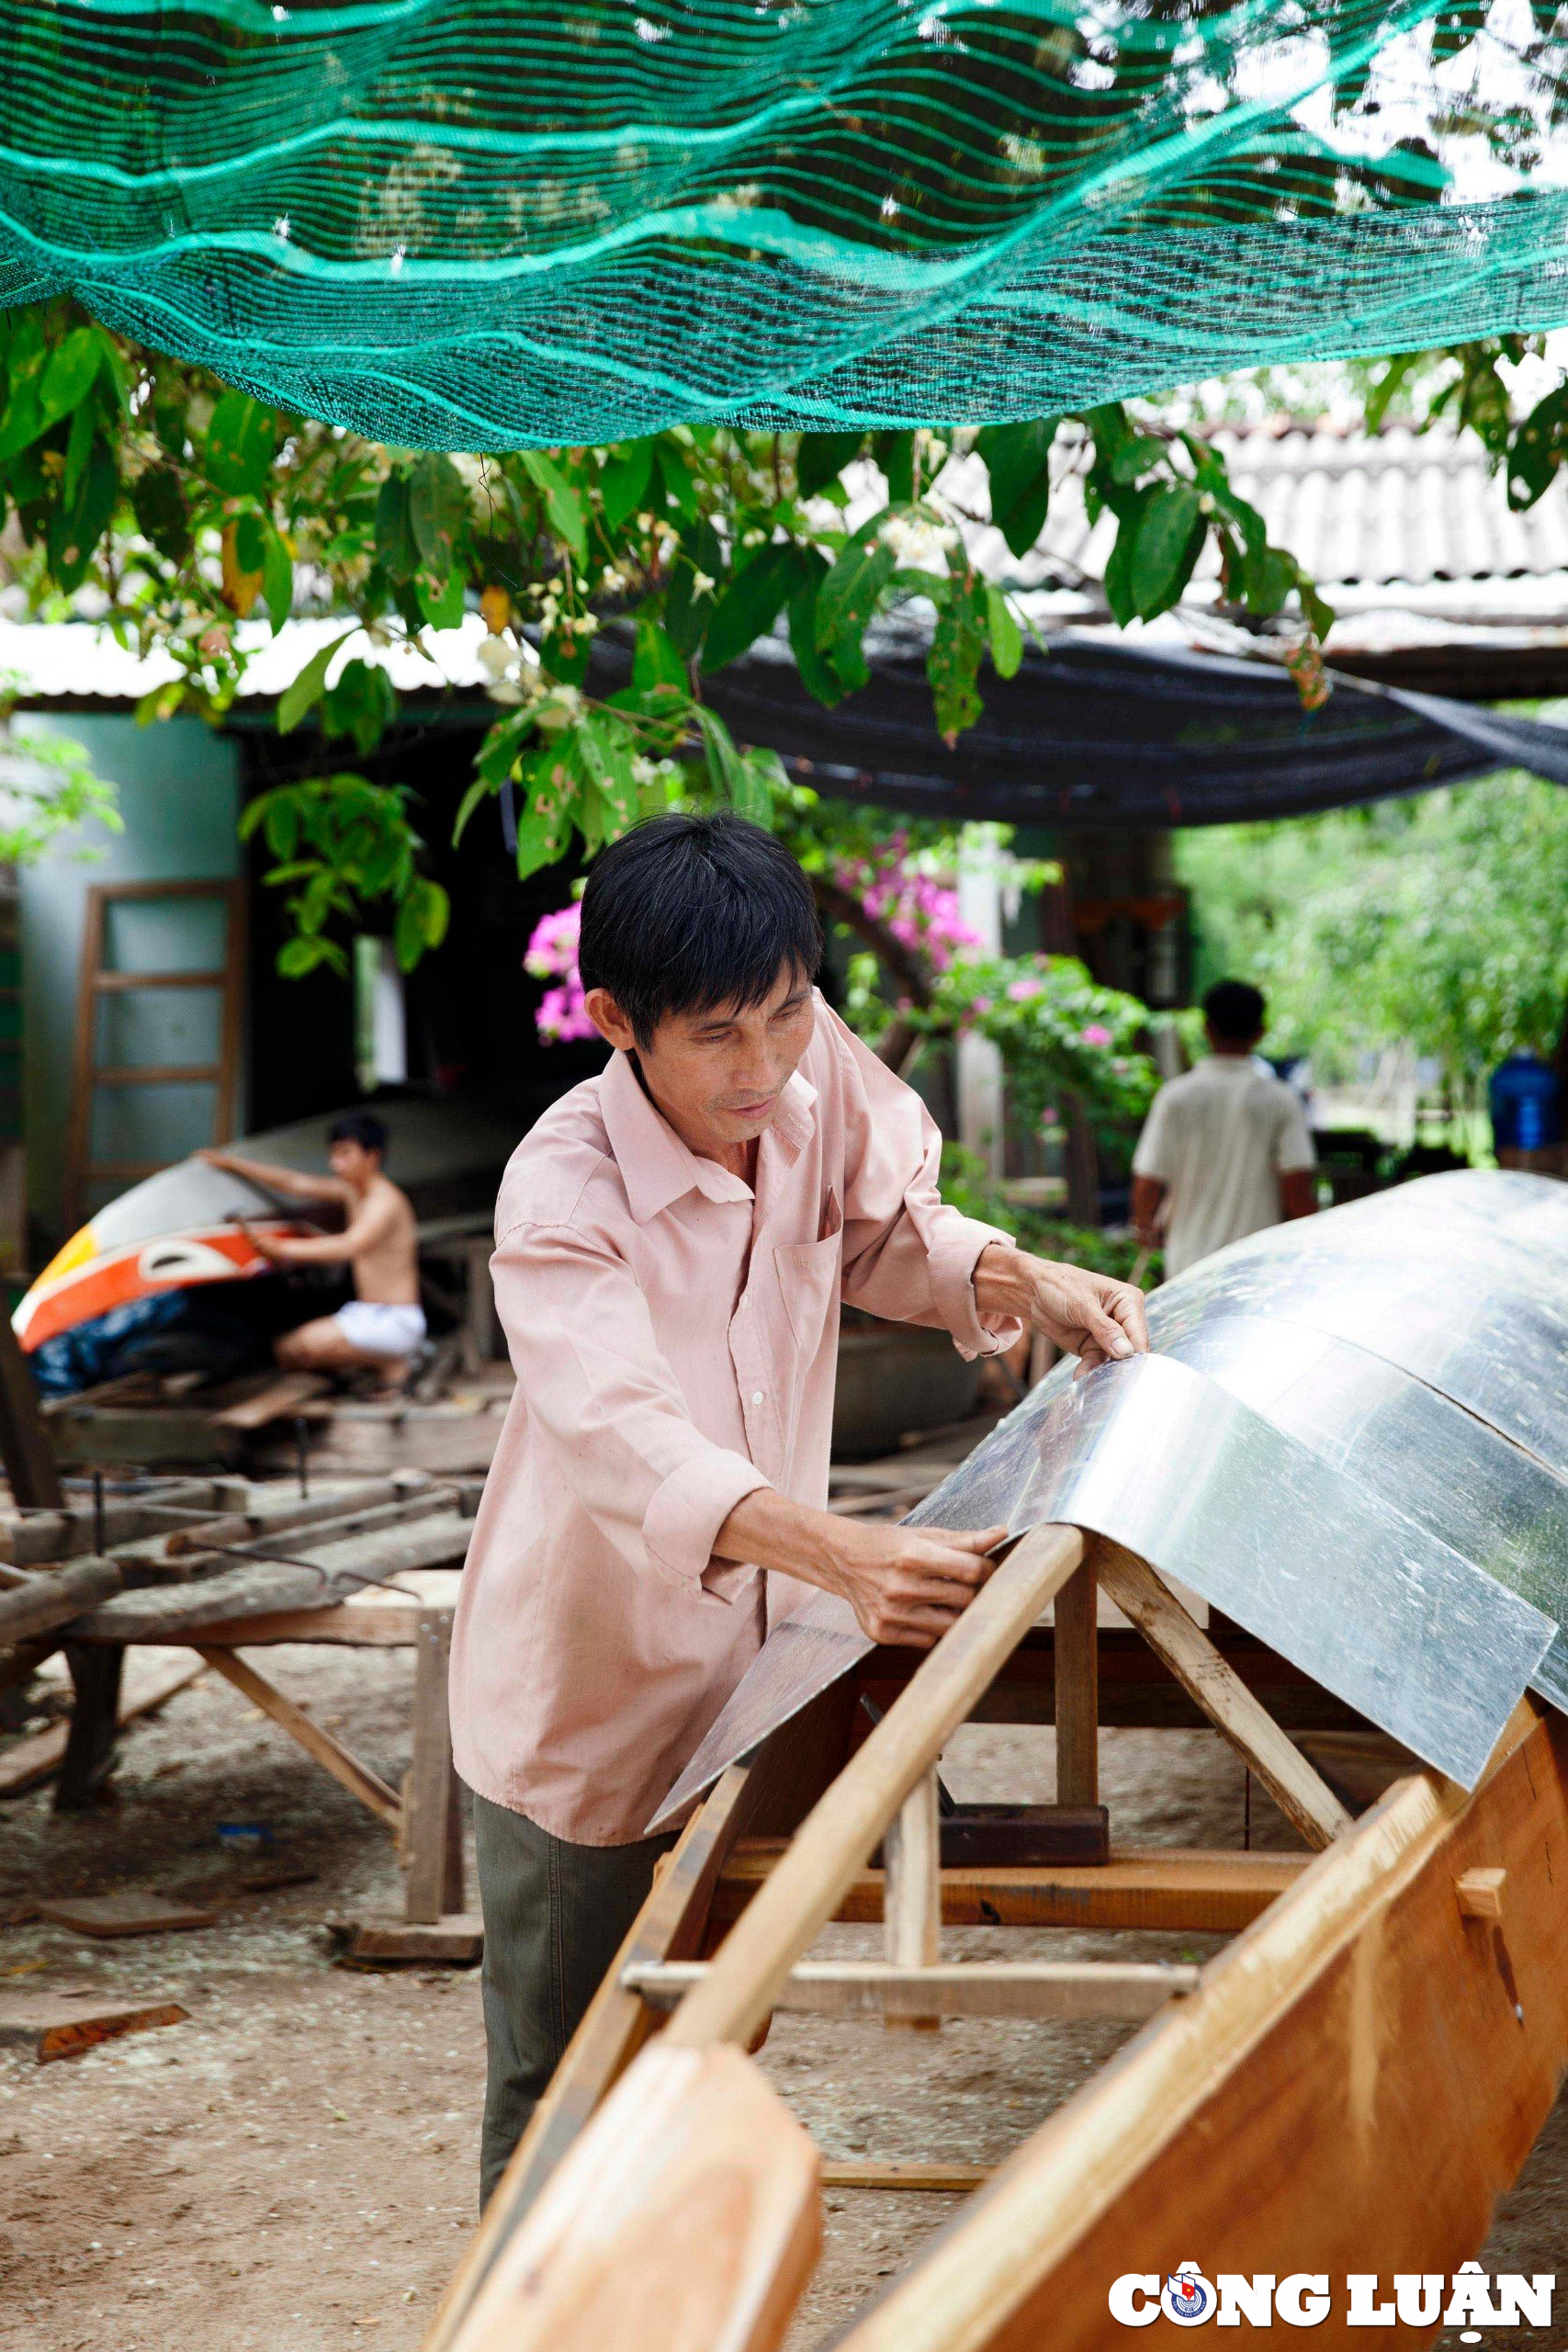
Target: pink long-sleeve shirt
<point>674,1336</point>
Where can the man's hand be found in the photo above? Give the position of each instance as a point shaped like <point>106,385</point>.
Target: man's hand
<point>906,1585</point>
<point>1088,1315</point>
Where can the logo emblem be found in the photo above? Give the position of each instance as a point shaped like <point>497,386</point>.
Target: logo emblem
<point>1187,2297</point>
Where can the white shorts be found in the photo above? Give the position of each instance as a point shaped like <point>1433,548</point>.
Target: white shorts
<point>376,1329</point>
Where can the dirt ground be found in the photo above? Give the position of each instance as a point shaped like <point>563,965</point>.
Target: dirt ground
<point>293,2169</point>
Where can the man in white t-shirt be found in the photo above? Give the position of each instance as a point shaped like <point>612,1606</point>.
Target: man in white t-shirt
<point>1225,1149</point>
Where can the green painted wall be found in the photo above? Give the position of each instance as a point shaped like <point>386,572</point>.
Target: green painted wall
<point>178,788</point>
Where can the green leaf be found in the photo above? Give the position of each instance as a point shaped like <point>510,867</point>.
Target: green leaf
<point>69,372</point>
<point>277,579</point>
<point>250,541</point>
<point>498,754</point>
<point>362,703</point>
<point>1007,638</point>
<point>820,458</point>
<point>397,549</point>
<point>438,510</point>
<point>1120,592</point>
<point>1165,547</point>
<point>853,589</point>
<point>74,530</point>
<point>78,446</point>
<point>1396,373</point>
<point>158,502</point>
<point>895,453</point>
<point>1538,448</point>
<point>481,789</point>
<point>953,664</point>
<point>241,443</point>
<point>441,598</point>
<point>656,662</point>
<point>687,608</point>
<point>818,675</point>
<point>298,956</point>
<point>562,505</point>
<point>623,483</point>
<point>751,604</point>
<point>309,686</point>
<point>1017,458</point>
<point>606,763</point>
<point>22,418</point>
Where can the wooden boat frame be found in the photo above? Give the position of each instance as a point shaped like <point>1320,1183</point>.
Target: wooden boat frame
<point>1347,2087</point>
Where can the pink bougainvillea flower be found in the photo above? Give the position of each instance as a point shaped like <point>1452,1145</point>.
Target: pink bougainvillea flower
<point>1095,1032</point>
<point>1022,991</point>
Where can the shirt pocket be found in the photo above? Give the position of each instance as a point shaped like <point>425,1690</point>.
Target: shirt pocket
<point>809,1273</point>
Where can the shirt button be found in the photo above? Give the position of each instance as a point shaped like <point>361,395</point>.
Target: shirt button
<point>756,1396</point>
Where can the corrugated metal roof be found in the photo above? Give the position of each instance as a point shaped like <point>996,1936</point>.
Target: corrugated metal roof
<point>1392,509</point>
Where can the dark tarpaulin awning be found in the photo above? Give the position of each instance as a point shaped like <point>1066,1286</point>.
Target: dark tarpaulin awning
<point>1095,733</point>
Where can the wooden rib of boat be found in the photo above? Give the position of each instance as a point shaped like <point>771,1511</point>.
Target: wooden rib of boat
<point>1348,2087</point>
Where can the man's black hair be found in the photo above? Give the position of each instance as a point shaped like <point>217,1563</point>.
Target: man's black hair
<point>686,913</point>
<point>362,1127</point>
<point>1236,1012</point>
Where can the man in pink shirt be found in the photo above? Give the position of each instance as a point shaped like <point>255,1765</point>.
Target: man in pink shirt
<point>673,1240</point>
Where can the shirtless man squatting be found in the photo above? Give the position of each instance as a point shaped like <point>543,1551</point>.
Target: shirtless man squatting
<point>673,1242</point>
<point>383,1323</point>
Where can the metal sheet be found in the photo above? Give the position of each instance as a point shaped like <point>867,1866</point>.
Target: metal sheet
<point>1451,1474</point>
<point>1371,1606</point>
<point>1340,1460</point>
<point>802,1656</point>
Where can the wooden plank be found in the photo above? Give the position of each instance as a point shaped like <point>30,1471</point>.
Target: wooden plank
<point>1301,1795</point>
<point>836,1840</point>
<point>118,983</point>
<point>160,1074</point>
<point>1154,1888</point>
<point>433,1833</point>
<point>131,1913</point>
<point>1360,2077</point>
<point>34,1758</point>
<point>912,1889</point>
<point>58,2024</point>
<point>1001,1988</point>
<point>318,1742</point>
<point>1076,1655</point>
<point>455,1941</point>
<point>685,2217</point>
<point>359,1624</point>
<point>280,1396</point>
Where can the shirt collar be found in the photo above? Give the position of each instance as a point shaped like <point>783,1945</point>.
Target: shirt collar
<point>658,1169</point>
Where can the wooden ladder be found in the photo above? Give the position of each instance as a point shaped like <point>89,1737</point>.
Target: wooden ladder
<point>99,982</point>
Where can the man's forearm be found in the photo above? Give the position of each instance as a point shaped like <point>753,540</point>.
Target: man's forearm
<point>904,1584</point>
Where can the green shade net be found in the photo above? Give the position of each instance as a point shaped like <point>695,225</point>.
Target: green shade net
<point>484,222</point>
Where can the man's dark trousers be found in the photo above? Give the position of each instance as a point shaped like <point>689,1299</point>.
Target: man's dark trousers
<point>555,1916</point>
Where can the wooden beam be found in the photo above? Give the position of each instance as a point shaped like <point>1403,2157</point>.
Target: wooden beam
<point>317,1742</point>
<point>1301,1795</point>
<point>1076,1653</point>
<point>433,1828</point>
<point>1166,1888</point>
<point>1360,2077</point>
<point>358,1625</point>
<point>912,1890</point>
<point>836,1840</point>
<point>50,1597</point>
<point>1003,1988</point>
